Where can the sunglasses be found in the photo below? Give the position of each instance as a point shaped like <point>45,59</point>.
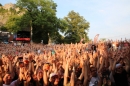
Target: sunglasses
<point>56,76</point>
<point>93,70</point>
<point>120,68</point>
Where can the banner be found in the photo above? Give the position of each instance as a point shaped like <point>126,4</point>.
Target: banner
<point>22,39</point>
<point>95,38</point>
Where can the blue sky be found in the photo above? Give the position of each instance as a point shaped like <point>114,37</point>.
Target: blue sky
<point>109,18</point>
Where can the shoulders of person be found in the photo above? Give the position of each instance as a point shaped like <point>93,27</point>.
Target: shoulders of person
<point>49,84</point>
<point>124,73</point>
<point>5,85</point>
<point>61,82</point>
<point>91,84</point>
<point>14,83</point>
<point>93,81</point>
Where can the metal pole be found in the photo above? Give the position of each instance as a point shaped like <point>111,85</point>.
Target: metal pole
<point>48,39</point>
<point>31,36</point>
<point>31,31</point>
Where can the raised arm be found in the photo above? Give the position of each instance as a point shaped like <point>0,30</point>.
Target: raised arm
<point>66,72</point>
<point>85,83</point>
<point>83,70</point>
<point>72,81</point>
<point>10,59</point>
<point>45,78</point>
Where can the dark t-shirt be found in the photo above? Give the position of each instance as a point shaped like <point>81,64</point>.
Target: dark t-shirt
<point>121,79</point>
<point>50,84</point>
<point>61,82</point>
<point>41,82</point>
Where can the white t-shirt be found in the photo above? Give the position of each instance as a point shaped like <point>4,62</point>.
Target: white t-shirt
<point>94,81</point>
<point>6,85</point>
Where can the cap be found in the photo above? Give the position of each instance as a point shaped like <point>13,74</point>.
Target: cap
<point>52,74</point>
<point>118,65</point>
<point>47,63</point>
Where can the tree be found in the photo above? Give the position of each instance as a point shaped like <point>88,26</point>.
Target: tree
<point>61,27</point>
<point>3,15</point>
<point>16,20</point>
<point>102,39</point>
<point>42,17</point>
<point>2,28</point>
<point>77,28</point>
<point>0,4</point>
<point>13,24</point>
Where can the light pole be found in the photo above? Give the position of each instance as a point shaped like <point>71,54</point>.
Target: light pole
<point>0,32</point>
<point>49,39</point>
<point>31,28</point>
<point>84,36</point>
<point>31,31</point>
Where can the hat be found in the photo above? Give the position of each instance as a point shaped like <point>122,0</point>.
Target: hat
<point>52,74</point>
<point>48,63</point>
<point>118,65</point>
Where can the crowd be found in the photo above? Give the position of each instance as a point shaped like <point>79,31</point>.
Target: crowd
<point>89,64</point>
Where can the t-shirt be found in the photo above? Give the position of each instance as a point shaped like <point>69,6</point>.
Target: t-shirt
<point>14,83</point>
<point>94,81</point>
<point>121,78</point>
<point>41,82</point>
<point>61,82</point>
<point>6,85</point>
<point>50,84</point>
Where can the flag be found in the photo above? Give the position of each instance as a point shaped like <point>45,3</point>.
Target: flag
<point>96,38</point>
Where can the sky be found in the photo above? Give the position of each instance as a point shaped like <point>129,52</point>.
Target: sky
<point>108,18</point>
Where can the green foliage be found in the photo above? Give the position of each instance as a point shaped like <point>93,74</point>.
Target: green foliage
<point>42,14</point>
<point>14,23</point>
<point>25,22</point>
<point>3,11</point>
<point>77,28</point>
<point>2,28</point>
<point>62,25</point>
<point>102,39</point>
<point>0,4</point>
